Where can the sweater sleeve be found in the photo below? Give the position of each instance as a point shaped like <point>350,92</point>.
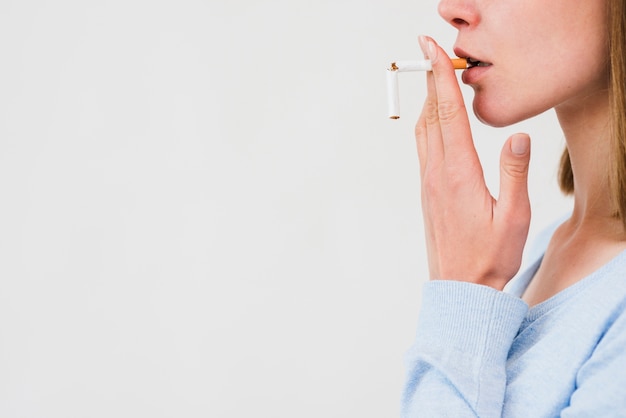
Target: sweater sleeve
<point>601,380</point>
<point>457,366</point>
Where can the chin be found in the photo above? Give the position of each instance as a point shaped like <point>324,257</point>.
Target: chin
<point>495,122</point>
<point>497,114</point>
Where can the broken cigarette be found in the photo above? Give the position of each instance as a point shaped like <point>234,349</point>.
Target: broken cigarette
<point>393,96</point>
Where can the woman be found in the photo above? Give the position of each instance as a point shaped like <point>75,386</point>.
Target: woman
<point>553,344</point>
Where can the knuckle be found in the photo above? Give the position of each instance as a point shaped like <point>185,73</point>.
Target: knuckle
<point>456,177</point>
<point>430,183</point>
<point>420,130</point>
<point>516,170</point>
<point>448,110</point>
<point>431,114</point>
<point>456,182</point>
<point>430,188</point>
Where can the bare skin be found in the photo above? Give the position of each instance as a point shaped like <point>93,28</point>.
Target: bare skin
<point>592,236</point>
<point>575,252</point>
<point>470,235</point>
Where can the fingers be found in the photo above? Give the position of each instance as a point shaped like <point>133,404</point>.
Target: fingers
<point>469,234</point>
<point>446,117</point>
<point>513,201</point>
<point>430,117</point>
<point>421,139</point>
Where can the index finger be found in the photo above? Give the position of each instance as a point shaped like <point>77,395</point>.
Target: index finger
<point>453,120</point>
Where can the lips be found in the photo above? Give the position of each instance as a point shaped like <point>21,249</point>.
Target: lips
<point>477,68</point>
<point>471,62</point>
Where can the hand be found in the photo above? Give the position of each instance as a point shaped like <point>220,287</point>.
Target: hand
<point>470,236</point>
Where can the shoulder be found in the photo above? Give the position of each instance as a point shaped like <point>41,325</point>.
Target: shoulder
<point>601,381</point>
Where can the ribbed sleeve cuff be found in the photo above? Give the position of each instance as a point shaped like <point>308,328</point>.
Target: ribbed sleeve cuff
<point>468,318</point>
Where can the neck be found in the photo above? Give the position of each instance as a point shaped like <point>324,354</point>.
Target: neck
<point>586,128</point>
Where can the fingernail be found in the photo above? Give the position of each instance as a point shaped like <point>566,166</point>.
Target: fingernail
<point>520,144</point>
<point>432,51</point>
<point>423,44</point>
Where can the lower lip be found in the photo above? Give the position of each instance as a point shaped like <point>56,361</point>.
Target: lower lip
<point>474,74</point>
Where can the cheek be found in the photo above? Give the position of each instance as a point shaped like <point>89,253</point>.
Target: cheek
<point>504,102</point>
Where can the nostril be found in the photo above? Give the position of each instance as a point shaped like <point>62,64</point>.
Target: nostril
<point>459,13</point>
<point>459,22</point>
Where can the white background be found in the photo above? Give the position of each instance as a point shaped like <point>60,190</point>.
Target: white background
<point>205,211</point>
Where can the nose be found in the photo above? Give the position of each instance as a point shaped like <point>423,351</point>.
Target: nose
<point>459,13</point>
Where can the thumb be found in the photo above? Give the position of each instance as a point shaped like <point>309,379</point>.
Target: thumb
<point>514,162</point>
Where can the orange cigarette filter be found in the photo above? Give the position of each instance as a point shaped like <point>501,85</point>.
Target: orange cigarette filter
<point>459,63</point>
<point>424,65</point>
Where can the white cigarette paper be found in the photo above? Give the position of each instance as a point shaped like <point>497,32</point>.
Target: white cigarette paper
<point>406,66</point>
<point>393,97</point>
<point>414,65</point>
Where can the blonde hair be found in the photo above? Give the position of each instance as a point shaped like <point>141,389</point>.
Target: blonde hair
<point>617,96</point>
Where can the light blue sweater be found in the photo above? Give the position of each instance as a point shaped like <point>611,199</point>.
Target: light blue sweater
<point>483,353</point>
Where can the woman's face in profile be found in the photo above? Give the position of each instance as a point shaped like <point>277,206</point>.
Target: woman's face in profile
<point>534,54</point>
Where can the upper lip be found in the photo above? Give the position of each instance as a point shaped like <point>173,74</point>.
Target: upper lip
<point>461,53</point>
